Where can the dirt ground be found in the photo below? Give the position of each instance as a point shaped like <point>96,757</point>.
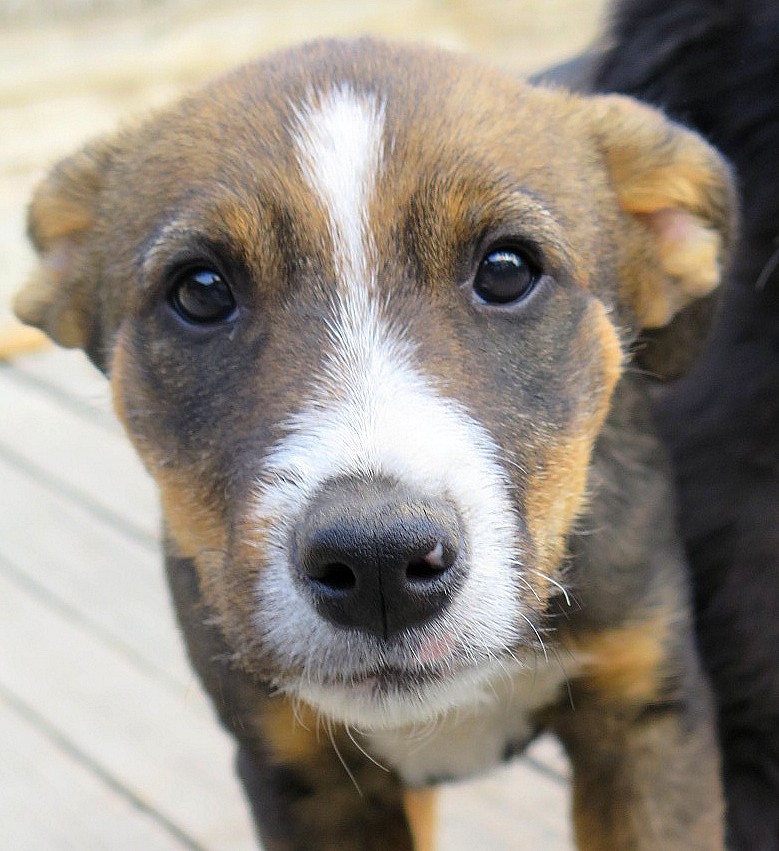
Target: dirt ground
<point>72,69</point>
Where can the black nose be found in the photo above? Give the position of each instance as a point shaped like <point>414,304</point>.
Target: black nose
<point>375,557</point>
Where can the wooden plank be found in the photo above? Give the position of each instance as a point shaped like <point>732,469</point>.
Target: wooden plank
<point>86,568</point>
<point>67,376</point>
<point>124,722</point>
<point>548,755</point>
<point>51,800</point>
<point>82,460</point>
<point>515,808</point>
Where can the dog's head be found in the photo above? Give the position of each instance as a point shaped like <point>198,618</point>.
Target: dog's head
<point>363,309</point>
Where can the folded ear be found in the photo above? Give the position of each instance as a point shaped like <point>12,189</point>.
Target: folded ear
<point>59,297</point>
<point>680,193</point>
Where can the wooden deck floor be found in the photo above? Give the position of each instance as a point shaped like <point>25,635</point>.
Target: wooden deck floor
<point>106,741</point>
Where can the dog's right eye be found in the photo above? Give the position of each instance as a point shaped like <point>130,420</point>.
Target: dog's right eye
<point>202,296</point>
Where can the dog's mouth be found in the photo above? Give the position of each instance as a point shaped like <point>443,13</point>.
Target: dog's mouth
<point>388,694</point>
<point>379,606</point>
<point>389,680</point>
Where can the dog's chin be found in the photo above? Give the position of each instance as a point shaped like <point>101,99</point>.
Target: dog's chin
<point>392,698</point>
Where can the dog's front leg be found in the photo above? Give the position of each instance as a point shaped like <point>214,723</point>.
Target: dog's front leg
<point>313,790</point>
<point>304,798</point>
<point>645,760</point>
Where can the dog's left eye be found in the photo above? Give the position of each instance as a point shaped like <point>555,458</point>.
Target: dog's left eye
<point>202,296</point>
<point>505,275</point>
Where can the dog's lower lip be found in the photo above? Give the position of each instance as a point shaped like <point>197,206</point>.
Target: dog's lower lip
<point>392,681</point>
<point>390,678</point>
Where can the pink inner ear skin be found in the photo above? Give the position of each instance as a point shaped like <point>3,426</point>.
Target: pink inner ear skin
<point>672,225</point>
<point>689,253</point>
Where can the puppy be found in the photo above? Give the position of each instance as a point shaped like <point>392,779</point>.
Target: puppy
<point>366,312</point>
<point>714,64</point>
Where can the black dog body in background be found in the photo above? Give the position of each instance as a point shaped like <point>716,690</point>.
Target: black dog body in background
<point>714,65</point>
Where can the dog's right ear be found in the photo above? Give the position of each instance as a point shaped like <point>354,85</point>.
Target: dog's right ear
<point>60,296</point>
<point>679,194</point>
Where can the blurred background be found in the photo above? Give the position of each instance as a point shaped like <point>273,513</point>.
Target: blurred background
<point>105,739</point>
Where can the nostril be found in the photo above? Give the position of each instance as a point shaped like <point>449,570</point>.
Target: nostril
<point>334,575</point>
<point>431,565</point>
<point>421,571</point>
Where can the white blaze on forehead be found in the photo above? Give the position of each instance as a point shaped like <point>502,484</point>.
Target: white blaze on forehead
<point>339,144</point>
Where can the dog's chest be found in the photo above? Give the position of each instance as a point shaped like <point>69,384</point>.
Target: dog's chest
<point>467,741</point>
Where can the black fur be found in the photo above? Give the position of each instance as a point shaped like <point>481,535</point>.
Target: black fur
<point>714,64</point>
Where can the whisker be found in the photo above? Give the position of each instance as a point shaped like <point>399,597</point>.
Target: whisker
<point>329,727</point>
<point>528,585</point>
<point>362,750</point>
<point>420,734</point>
<point>556,585</point>
<point>296,707</point>
<point>538,634</point>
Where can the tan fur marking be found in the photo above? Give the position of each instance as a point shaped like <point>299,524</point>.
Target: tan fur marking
<point>557,493</point>
<point>193,522</point>
<point>33,300</point>
<point>625,664</point>
<point>118,363</point>
<point>57,217</point>
<point>42,302</point>
<point>290,733</point>
<point>422,815</point>
<point>554,497</point>
<point>613,358</point>
<point>678,185</point>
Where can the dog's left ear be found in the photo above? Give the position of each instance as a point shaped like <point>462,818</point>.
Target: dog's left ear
<point>680,192</point>
<point>60,296</point>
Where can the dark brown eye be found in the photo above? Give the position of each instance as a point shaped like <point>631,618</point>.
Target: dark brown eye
<point>505,275</point>
<point>201,296</point>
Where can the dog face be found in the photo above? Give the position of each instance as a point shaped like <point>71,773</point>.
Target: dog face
<point>363,310</point>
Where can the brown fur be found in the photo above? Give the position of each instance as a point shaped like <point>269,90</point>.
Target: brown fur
<point>632,218</point>
<point>615,793</point>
